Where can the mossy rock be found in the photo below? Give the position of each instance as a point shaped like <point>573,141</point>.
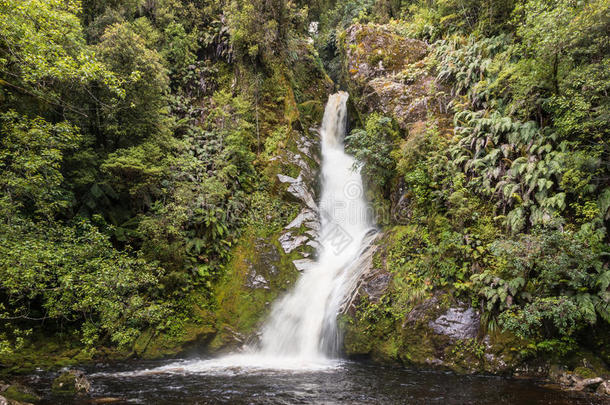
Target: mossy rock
<point>70,383</point>
<point>192,336</point>
<point>257,274</point>
<point>21,393</point>
<point>585,372</point>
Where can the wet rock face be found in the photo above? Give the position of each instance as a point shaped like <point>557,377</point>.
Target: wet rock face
<point>372,284</point>
<point>374,51</point>
<point>457,323</point>
<point>376,285</point>
<point>263,267</point>
<point>299,190</point>
<point>302,232</point>
<point>290,242</point>
<point>389,72</point>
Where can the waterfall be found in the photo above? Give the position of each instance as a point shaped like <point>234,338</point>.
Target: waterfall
<point>301,332</point>
<point>303,323</point>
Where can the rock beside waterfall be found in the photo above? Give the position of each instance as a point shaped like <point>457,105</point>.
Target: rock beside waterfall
<point>457,323</point>
<point>305,216</point>
<point>375,51</point>
<point>290,242</point>
<point>256,281</point>
<point>298,188</point>
<point>303,264</point>
<point>389,71</point>
<point>420,328</point>
<point>270,253</point>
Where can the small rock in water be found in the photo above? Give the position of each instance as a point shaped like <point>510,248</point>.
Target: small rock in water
<point>71,382</point>
<point>604,388</point>
<point>105,400</point>
<point>17,394</point>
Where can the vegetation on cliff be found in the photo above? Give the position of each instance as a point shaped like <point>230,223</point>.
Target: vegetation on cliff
<point>140,143</point>
<point>137,145</point>
<point>502,182</point>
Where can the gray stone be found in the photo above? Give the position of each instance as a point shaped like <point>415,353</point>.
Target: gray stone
<point>297,159</point>
<point>377,286</point>
<point>307,217</point>
<point>299,190</point>
<point>305,146</point>
<point>458,323</point>
<point>582,383</point>
<point>434,361</point>
<point>603,388</point>
<point>420,311</point>
<point>303,264</point>
<point>314,244</point>
<point>256,281</point>
<point>290,242</point>
<point>71,382</point>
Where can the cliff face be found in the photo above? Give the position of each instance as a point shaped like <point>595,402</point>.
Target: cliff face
<point>280,239</point>
<point>387,73</point>
<point>406,308</point>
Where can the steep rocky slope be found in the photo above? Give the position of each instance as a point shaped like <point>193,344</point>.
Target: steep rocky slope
<point>398,317</point>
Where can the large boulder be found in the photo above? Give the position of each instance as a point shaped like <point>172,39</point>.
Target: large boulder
<point>389,74</point>
<point>458,323</point>
<point>374,51</point>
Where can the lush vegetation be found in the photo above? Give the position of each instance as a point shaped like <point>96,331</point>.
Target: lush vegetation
<point>508,205</point>
<point>132,145</point>
<point>138,143</point>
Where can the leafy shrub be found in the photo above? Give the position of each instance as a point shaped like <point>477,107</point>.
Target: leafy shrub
<point>72,276</point>
<point>372,147</point>
<point>535,275</point>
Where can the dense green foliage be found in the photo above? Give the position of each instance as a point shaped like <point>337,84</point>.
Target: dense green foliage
<point>130,133</point>
<point>508,207</point>
<point>139,143</point>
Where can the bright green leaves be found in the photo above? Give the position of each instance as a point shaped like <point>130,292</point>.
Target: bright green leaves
<point>532,276</point>
<point>524,132</point>
<point>141,112</point>
<point>465,64</point>
<point>372,147</point>
<point>262,28</point>
<point>42,43</point>
<point>76,276</point>
<point>513,161</point>
<point>31,153</point>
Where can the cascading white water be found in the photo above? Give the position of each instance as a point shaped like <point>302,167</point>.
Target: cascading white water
<point>301,332</point>
<point>302,324</point>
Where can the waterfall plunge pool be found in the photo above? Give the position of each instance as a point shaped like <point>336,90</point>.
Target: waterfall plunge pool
<point>213,381</point>
<point>294,363</point>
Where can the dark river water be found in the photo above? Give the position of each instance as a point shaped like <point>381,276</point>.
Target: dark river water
<point>347,383</point>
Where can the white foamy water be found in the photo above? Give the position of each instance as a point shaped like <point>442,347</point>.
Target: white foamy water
<point>301,332</point>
